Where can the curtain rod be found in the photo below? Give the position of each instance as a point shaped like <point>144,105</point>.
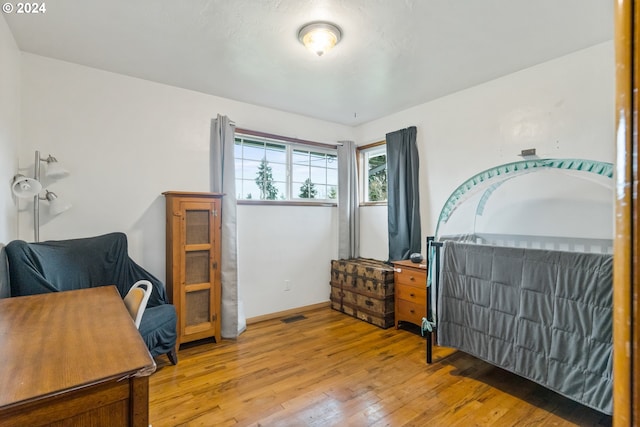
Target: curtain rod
<point>286,138</point>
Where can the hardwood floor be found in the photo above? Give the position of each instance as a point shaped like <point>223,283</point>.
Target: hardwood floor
<point>333,370</point>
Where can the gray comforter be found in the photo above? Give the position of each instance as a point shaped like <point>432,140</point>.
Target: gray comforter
<point>545,315</point>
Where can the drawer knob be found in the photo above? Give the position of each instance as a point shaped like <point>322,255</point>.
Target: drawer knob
<point>412,295</point>
<point>411,278</point>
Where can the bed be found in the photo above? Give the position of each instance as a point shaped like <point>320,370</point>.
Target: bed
<point>538,306</point>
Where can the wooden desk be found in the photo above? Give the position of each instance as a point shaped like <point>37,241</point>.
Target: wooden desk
<point>72,358</point>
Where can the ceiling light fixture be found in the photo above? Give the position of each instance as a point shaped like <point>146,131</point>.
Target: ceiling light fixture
<point>319,37</point>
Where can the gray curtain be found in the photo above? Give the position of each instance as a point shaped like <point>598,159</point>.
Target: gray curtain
<point>403,200</point>
<point>222,172</point>
<point>348,215</point>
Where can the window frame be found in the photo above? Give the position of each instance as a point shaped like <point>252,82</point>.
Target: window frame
<point>363,181</point>
<point>291,144</point>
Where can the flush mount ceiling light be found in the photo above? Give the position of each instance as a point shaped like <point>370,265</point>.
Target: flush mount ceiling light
<point>319,37</point>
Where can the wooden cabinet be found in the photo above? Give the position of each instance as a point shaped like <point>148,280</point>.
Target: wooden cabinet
<point>193,263</point>
<point>410,282</point>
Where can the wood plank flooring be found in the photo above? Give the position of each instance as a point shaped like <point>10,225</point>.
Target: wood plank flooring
<point>333,370</point>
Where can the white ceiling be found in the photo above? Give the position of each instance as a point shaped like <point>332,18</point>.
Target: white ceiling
<point>394,54</point>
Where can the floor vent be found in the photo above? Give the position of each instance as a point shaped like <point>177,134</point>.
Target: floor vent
<point>293,318</point>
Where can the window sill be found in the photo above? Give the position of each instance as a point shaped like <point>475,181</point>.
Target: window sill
<point>373,204</point>
<point>286,203</point>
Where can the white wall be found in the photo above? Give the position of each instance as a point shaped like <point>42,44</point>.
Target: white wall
<point>127,140</point>
<point>564,108</point>
<point>374,235</point>
<point>9,130</point>
<point>278,243</point>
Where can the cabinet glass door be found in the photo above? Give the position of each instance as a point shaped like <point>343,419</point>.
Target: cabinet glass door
<point>198,269</point>
<point>197,300</point>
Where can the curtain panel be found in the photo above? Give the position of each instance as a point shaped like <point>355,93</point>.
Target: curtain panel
<point>403,199</point>
<point>222,175</point>
<point>348,214</point>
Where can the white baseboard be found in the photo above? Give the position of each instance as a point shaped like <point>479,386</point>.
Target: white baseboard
<point>287,313</point>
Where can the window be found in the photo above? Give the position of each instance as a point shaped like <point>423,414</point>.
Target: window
<point>261,169</point>
<point>373,172</point>
<point>314,174</point>
<point>269,168</point>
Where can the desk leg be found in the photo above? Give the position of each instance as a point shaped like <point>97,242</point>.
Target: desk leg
<point>139,402</point>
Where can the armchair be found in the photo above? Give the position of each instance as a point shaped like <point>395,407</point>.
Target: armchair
<point>54,266</point>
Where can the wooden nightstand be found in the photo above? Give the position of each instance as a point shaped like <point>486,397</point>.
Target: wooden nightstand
<point>410,283</point>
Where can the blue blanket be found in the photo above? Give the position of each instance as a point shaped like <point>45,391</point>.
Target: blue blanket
<point>53,266</point>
